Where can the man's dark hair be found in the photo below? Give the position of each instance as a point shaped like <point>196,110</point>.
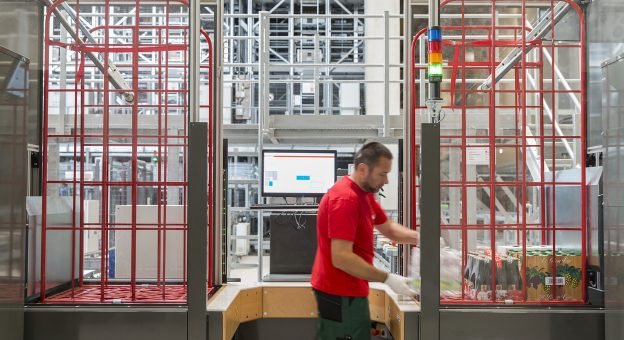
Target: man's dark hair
<point>370,154</point>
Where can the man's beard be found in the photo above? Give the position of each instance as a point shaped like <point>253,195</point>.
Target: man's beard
<point>369,188</point>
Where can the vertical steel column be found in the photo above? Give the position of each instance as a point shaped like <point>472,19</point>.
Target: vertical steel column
<point>317,61</point>
<point>197,231</point>
<point>250,38</point>
<point>430,209</point>
<point>291,57</point>
<point>430,232</point>
<point>216,135</point>
<point>263,114</point>
<point>328,89</point>
<point>386,113</point>
<point>263,100</point>
<point>197,204</point>
<point>408,118</point>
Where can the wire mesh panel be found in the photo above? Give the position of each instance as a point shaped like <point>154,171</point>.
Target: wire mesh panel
<point>512,150</point>
<point>116,113</point>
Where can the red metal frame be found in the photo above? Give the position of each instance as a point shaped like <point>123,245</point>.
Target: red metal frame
<point>159,289</point>
<point>521,137</point>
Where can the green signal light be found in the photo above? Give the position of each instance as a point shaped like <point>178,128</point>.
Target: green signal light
<point>435,72</point>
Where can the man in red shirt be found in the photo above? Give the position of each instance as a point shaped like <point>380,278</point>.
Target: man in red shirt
<point>344,256</point>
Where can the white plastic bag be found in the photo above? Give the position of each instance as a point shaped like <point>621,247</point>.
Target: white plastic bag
<point>450,272</point>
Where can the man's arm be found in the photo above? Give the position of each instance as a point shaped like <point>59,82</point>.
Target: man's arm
<point>398,233</point>
<point>346,260</point>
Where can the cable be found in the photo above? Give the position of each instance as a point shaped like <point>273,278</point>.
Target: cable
<point>440,117</point>
<point>298,221</point>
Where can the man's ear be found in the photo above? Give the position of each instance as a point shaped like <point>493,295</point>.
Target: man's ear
<point>362,168</point>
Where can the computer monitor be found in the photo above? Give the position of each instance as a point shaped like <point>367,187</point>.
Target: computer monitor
<point>296,173</point>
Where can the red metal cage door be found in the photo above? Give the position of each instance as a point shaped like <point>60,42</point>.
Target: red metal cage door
<point>115,152</point>
<point>502,149</point>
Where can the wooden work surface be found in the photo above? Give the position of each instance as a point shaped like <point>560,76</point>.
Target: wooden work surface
<point>238,303</point>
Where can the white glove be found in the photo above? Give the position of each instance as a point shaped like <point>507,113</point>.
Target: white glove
<point>400,285</point>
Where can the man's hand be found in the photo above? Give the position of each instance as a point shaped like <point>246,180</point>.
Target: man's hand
<point>400,285</point>
<point>398,233</point>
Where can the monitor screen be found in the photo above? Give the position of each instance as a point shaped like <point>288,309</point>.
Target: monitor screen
<point>297,173</point>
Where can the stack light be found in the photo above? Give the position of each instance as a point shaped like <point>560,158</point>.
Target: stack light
<point>435,54</point>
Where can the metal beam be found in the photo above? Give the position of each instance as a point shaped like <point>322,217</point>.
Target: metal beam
<point>263,118</point>
<point>197,233</point>
<point>301,123</point>
<point>430,232</point>
<point>386,113</point>
<point>540,29</point>
<point>316,75</point>
<point>430,206</point>
<point>218,144</point>
<point>407,136</point>
<point>264,70</point>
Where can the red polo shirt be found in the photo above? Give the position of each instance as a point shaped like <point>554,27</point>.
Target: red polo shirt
<point>346,212</point>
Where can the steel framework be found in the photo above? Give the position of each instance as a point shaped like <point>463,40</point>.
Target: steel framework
<point>315,59</point>
<point>120,122</point>
<point>500,142</point>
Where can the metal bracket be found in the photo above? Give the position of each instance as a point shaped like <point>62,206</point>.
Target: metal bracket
<point>434,107</point>
<point>115,77</point>
<point>270,133</point>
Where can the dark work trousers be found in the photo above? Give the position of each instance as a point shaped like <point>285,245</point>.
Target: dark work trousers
<point>342,317</point>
